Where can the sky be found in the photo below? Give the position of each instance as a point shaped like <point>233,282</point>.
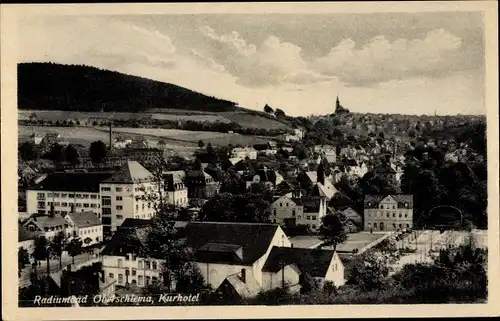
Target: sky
<point>407,63</point>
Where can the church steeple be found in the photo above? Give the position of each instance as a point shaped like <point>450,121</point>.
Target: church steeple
<point>337,103</point>
<point>320,172</point>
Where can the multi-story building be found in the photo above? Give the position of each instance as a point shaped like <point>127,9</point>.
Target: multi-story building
<point>388,212</point>
<point>299,210</point>
<point>132,192</point>
<point>176,192</point>
<point>201,185</point>
<point>240,152</point>
<point>66,192</point>
<point>87,226</point>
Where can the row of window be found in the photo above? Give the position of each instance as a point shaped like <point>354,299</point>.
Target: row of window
<point>380,214</point>
<point>142,264</point>
<point>64,204</point>
<point>382,226</point>
<point>406,205</point>
<point>89,230</point>
<point>139,281</point>
<point>144,216</point>
<point>41,195</point>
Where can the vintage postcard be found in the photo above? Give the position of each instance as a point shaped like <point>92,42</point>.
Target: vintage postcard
<point>249,160</point>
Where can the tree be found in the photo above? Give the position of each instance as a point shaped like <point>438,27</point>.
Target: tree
<point>74,247</point>
<point>370,271</point>
<point>72,155</point>
<point>56,153</point>
<point>268,109</point>
<point>42,251</point>
<point>227,207</point>
<point>279,113</point>
<point>189,279</point>
<point>98,151</point>
<point>210,149</point>
<point>58,246</point>
<point>201,144</point>
<point>165,242</point>
<point>28,151</point>
<point>23,259</point>
<point>332,231</point>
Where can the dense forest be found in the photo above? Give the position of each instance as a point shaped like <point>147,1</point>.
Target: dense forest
<point>50,86</point>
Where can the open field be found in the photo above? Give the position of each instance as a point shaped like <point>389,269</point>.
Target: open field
<point>215,138</point>
<point>247,120</point>
<point>175,139</point>
<point>54,115</point>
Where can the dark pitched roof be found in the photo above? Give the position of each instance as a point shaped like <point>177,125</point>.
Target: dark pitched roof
<point>47,221</point>
<point>311,204</point>
<point>314,262</point>
<point>134,223</point>
<point>173,182</point>
<point>72,182</point>
<point>127,240</point>
<point>85,219</point>
<point>254,239</point>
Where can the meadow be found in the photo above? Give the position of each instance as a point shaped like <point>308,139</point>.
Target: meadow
<point>175,139</point>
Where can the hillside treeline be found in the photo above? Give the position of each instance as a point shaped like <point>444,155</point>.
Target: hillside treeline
<point>50,86</point>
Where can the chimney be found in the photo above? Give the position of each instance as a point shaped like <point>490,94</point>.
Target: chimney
<point>244,275</point>
<point>297,193</point>
<point>110,137</point>
<point>291,245</point>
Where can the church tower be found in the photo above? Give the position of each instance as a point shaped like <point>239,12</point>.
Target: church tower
<point>337,104</point>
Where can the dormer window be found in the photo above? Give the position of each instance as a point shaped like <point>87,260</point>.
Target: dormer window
<point>406,205</point>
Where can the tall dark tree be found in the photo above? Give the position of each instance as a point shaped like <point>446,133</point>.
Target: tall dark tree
<point>201,144</point>
<point>98,151</point>
<point>279,113</point>
<point>74,247</point>
<point>28,151</point>
<point>332,230</point>
<point>268,109</point>
<point>58,246</point>
<point>42,251</point>
<point>72,155</point>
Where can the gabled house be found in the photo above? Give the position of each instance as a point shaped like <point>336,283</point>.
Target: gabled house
<point>26,239</point>
<point>87,226</point>
<point>290,265</point>
<point>264,175</point>
<point>36,138</point>
<point>47,225</point>
<point>388,212</point>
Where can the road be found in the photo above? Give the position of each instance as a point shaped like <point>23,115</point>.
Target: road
<point>24,280</point>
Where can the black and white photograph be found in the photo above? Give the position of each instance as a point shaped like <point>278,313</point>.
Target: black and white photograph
<point>200,159</point>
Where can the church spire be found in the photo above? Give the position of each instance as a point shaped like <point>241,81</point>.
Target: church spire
<point>337,103</point>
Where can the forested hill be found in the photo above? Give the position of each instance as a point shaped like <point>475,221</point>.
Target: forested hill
<point>51,86</point>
